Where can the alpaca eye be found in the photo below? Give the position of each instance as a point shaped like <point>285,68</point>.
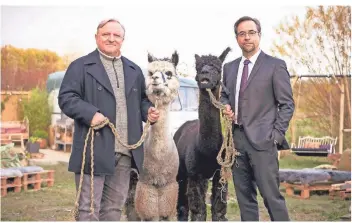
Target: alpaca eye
<point>150,73</point>
<point>168,74</point>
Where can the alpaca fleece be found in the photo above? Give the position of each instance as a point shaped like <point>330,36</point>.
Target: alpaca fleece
<point>198,143</point>
<point>156,191</point>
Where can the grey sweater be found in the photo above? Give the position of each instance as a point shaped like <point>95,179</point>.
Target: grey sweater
<point>117,81</point>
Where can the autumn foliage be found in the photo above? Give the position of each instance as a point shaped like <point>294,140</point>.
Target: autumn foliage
<point>318,43</point>
<point>25,69</point>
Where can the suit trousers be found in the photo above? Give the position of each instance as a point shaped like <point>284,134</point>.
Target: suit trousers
<point>110,192</point>
<point>257,169</point>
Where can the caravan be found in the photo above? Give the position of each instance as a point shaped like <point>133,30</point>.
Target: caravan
<point>182,109</point>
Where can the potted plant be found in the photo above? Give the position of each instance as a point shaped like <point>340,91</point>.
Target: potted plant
<point>33,145</point>
<point>42,138</point>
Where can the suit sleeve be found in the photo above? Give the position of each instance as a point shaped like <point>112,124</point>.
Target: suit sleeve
<point>283,97</point>
<point>145,103</point>
<point>71,96</point>
<point>224,97</point>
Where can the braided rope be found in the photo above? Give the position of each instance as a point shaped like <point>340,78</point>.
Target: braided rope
<point>228,144</point>
<point>90,134</point>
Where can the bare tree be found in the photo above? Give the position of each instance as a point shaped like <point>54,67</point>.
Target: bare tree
<point>320,43</point>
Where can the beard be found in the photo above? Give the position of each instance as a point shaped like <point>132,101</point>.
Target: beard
<point>248,48</point>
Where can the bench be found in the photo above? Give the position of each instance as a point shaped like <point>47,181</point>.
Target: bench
<point>313,146</point>
<point>14,131</point>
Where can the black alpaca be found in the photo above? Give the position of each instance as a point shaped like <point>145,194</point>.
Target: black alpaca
<point>198,143</point>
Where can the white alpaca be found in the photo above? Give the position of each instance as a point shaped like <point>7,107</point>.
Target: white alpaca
<point>157,189</point>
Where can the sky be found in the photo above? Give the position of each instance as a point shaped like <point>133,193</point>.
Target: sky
<point>154,26</point>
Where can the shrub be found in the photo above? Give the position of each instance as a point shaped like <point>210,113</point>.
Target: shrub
<point>40,134</point>
<point>37,110</point>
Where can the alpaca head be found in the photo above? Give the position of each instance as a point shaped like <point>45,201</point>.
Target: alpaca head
<point>209,69</point>
<point>162,82</point>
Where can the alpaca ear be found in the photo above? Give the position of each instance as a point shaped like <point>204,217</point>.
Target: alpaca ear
<point>174,58</point>
<point>197,57</point>
<point>224,54</point>
<point>150,58</point>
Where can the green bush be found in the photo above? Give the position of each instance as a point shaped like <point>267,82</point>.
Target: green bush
<point>40,134</point>
<point>37,110</point>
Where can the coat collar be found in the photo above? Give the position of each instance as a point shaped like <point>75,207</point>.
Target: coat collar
<point>96,69</point>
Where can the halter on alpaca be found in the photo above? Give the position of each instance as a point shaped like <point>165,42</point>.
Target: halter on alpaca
<point>157,189</point>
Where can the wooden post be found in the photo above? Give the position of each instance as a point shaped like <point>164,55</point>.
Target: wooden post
<point>293,120</point>
<point>3,186</point>
<point>305,192</point>
<point>51,178</point>
<point>25,181</point>
<point>342,116</point>
<point>331,114</point>
<point>38,181</point>
<point>17,184</point>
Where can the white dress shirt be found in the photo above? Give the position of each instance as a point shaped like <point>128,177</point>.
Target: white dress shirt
<point>252,60</point>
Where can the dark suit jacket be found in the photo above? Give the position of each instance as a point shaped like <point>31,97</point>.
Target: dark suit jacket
<point>85,90</point>
<point>267,105</point>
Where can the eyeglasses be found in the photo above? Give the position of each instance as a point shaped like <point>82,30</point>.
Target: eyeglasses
<point>115,37</point>
<point>250,34</point>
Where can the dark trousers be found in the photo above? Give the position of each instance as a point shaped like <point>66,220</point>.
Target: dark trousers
<point>257,169</point>
<point>110,192</point>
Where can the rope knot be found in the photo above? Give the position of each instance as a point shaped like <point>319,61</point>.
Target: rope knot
<point>227,159</point>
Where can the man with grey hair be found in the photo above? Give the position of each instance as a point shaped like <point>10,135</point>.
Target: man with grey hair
<point>105,84</point>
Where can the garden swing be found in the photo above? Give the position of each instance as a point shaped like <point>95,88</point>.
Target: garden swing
<point>313,146</point>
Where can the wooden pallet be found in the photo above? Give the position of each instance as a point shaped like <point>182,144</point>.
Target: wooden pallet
<point>36,179</point>
<point>10,182</point>
<point>305,189</point>
<point>342,194</point>
<point>342,191</point>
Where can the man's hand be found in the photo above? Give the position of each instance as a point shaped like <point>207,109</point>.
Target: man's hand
<point>97,119</point>
<point>153,114</point>
<point>228,112</point>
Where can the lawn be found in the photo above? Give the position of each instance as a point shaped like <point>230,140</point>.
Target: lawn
<point>56,203</point>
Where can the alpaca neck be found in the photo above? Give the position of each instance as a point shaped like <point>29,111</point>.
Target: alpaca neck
<point>209,121</point>
<point>159,135</point>
<point>160,128</point>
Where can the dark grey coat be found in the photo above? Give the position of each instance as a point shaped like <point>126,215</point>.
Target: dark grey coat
<point>85,90</point>
<point>267,105</point>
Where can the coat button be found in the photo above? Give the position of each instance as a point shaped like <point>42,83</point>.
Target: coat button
<point>100,88</point>
<point>134,89</point>
<point>97,134</point>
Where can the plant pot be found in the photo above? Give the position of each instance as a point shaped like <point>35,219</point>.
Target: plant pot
<point>43,143</point>
<point>33,147</point>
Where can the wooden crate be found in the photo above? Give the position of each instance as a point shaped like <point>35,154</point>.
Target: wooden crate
<point>305,189</point>
<point>342,194</point>
<point>36,179</point>
<point>10,182</point>
<point>342,190</point>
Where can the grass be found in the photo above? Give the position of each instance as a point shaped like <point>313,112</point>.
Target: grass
<point>291,161</point>
<point>48,204</point>
<point>57,202</point>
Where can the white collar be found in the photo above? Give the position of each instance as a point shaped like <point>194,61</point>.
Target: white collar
<point>253,59</point>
